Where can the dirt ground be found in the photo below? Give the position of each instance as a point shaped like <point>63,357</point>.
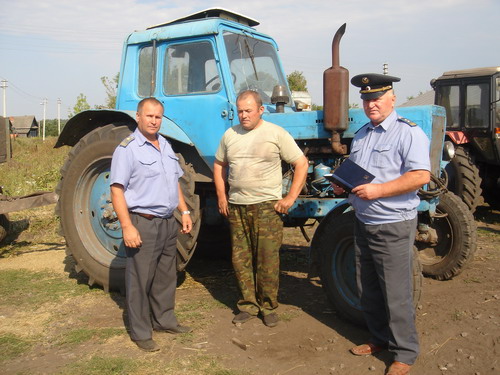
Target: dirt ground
<point>458,320</point>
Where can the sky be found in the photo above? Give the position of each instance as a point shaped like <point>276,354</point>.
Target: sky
<point>57,49</point>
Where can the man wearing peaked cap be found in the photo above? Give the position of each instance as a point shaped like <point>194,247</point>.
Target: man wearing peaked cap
<point>373,85</point>
<point>390,148</point>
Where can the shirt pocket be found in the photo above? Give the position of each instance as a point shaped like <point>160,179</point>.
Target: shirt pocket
<point>382,154</point>
<point>354,152</point>
<point>150,168</point>
<point>173,165</point>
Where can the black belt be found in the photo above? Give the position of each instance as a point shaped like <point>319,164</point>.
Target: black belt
<point>147,216</point>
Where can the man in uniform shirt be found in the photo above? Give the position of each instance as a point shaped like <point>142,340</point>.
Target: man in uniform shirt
<point>395,150</point>
<point>253,151</point>
<point>145,191</point>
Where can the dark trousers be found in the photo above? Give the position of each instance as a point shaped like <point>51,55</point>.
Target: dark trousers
<point>385,283</point>
<point>151,277</point>
<point>256,236</point>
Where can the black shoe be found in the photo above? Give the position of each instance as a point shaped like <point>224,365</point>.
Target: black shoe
<point>242,317</point>
<point>271,320</point>
<point>147,345</point>
<point>176,330</point>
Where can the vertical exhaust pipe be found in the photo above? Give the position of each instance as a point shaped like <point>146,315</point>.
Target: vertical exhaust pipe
<point>336,96</point>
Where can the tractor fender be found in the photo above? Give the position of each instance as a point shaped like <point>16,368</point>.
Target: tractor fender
<point>338,210</point>
<point>457,137</point>
<point>84,122</point>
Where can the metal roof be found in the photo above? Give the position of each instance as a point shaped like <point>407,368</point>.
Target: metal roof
<point>426,98</point>
<point>475,72</point>
<point>213,13</point>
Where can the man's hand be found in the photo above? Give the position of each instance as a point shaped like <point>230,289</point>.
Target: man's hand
<point>187,223</point>
<point>131,237</point>
<point>223,206</point>
<point>368,191</point>
<point>283,205</point>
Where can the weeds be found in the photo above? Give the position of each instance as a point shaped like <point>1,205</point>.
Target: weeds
<point>29,290</point>
<point>81,335</point>
<point>12,346</point>
<point>34,167</point>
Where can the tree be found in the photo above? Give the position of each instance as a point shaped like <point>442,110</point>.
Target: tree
<point>297,81</point>
<point>51,127</point>
<point>81,105</point>
<point>110,85</point>
<point>408,98</point>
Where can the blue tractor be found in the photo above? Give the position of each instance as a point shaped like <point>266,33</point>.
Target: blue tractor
<point>196,66</point>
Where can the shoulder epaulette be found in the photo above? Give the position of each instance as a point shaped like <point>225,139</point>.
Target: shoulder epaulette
<point>127,140</point>
<point>406,121</point>
<point>361,128</point>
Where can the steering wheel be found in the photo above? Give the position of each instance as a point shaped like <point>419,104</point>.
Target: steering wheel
<point>216,77</point>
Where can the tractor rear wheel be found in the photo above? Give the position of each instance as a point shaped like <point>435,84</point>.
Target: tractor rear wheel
<point>334,239</point>
<point>464,179</point>
<point>4,226</point>
<point>457,239</point>
<point>88,222</point>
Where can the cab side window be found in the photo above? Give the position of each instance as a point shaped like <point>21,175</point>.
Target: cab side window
<point>145,72</point>
<point>190,68</point>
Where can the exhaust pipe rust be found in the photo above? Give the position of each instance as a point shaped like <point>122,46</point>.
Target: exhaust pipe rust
<point>336,96</point>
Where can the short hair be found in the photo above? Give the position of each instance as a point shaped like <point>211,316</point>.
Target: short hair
<point>254,94</point>
<point>149,100</point>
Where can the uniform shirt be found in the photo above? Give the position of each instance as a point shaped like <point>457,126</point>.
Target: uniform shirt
<point>388,151</point>
<point>254,160</point>
<point>148,175</point>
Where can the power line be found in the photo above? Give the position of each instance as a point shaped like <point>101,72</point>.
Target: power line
<point>21,91</point>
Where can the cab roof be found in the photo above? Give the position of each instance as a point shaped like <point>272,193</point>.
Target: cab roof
<point>213,13</point>
<point>465,73</point>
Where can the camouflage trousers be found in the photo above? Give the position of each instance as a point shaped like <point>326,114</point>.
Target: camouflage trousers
<point>256,235</point>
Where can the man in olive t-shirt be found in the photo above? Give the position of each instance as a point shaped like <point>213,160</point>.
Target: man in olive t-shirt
<point>253,151</point>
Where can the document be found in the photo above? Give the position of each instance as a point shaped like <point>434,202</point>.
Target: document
<point>349,175</point>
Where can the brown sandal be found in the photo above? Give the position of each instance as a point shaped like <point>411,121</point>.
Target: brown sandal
<point>366,349</point>
<point>399,368</point>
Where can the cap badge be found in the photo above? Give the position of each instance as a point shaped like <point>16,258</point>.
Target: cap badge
<point>365,80</point>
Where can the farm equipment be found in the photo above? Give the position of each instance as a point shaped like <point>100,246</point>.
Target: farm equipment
<point>471,99</point>
<point>11,204</point>
<point>196,66</point>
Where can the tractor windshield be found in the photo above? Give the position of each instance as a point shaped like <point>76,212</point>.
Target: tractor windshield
<point>254,65</point>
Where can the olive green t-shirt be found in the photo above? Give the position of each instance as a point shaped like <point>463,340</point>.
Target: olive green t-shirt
<point>254,160</point>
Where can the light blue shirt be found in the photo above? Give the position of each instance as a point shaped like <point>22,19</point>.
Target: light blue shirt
<point>388,151</point>
<point>149,176</point>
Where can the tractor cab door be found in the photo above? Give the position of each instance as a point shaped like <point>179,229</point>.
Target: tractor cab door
<point>185,75</point>
<point>195,94</point>
<point>470,109</point>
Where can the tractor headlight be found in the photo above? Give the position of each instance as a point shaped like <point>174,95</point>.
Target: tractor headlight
<point>448,151</point>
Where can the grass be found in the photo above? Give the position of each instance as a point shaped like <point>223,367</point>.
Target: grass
<point>28,290</point>
<point>34,167</point>
<point>81,335</point>
<point>12,346</point>
<point>189,365</point>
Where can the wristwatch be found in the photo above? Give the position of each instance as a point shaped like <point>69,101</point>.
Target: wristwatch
<point>186,212</point>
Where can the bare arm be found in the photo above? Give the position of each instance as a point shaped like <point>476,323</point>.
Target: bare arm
<point>299,178</point>
<point>131,236</point>
<point>220,174</point>
<point>187,223</point>
<point>410,181</point>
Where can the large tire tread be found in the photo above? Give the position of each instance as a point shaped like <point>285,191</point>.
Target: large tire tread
<point>464,179</point>
<point>90,256</point>
<point>457,234</point>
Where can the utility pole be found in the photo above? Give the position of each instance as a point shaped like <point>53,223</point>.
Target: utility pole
<point>58,116</point>
<point>44,103</point>
<point>6,120</point>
